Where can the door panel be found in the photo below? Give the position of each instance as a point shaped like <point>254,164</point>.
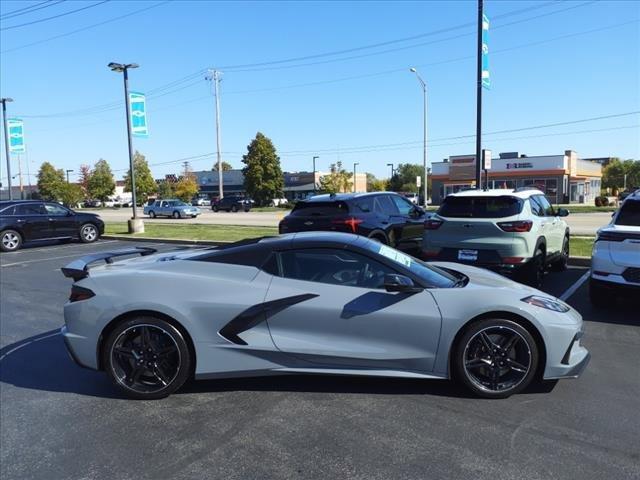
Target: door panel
<point>33,221</point>
<point>356,327</point>
<point>63,223</point>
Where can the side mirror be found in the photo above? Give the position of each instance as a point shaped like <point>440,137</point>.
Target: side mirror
<point>417,211</point>
<point>562,212</point>
<point>394,282</point>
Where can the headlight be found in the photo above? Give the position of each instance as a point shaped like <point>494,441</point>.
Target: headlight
<point>548,303</point>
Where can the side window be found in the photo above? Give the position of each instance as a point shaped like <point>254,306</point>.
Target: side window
<point>157,204</point>
<point>546,206</point>
<point>363,204</point>
<point>56,210</point>
<point>335,267</point>
<point>9,211</point>
<point>404,206</point>
<point>536,207</point>
<point>30,209</point>
<point>384,205</point>
<point>165,204</point>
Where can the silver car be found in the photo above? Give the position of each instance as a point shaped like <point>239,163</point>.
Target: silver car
<point>171,208</point>
<point>312,303</point>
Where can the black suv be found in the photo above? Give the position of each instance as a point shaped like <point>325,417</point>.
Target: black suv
<point>232,203</point>
<point>31,220</point>
<point>384,216</point>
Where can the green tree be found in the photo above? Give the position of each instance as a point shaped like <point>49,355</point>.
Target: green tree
<point>85,176</point>
<point>165,189</point>
<point>338,180</point>
<point>187,187</point>
<point>145,184</point>
<point>225,167</point>
<point>71,194</point>
<point>404,179</point>
<point>263,178</point>
<point>101,184</point>
<point>50,182</point>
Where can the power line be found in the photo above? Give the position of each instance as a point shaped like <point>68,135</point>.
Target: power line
<point>54,16</point>
<point>29,9</point>
<point>72,32</point>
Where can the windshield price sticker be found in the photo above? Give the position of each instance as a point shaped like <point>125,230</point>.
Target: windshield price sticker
<point>395,255</point>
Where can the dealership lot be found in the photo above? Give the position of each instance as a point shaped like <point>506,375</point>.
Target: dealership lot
<point>60,421</point>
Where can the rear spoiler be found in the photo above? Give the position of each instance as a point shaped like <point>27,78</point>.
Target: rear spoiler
<point>79,269</point>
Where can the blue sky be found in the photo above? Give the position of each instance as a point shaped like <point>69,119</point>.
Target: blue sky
<point>551,62</point>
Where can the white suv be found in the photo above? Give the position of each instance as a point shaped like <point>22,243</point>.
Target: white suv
<point>510,231</point>
<point>615,262</point>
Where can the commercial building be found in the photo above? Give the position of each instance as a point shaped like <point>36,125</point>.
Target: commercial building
<point>563,178</point>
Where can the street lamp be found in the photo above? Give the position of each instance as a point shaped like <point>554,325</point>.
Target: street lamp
<point>314,174</point>
<point>392,170</point>
<point>354,176</point>
<point>424,143</point>
<point>68,171</point>
<point>136,224</point>
<point>6,142</point>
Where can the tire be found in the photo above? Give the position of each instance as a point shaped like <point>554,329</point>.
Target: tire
<point>560,265</point>
<point>234,209</point>
<point>380,238</point>
<point>495,358</point>
<point>152,214</point>
<point>533,273</point>
<point>89,233</point>
<point>147,358</point>
<point>193,216</point>
<point>599,296</point>
<point>176,215</point>
<point>215,208</point>
<point>10,241</point>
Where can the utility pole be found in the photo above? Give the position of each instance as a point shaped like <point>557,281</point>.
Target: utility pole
<point>6,142</point>
<point>392,170</point>
<point>424,124</point>
<point>68,171</point>
<point>136,225</point>
<point>20,177</point>
<point>479,96</point>
<point>314,175</point>
<point>354,176</point>
<point>214,75</point>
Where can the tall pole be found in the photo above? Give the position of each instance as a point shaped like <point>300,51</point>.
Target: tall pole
<point>68,172</point>
<point>30,193</point>
<point>479,97</point>
<point>133,175</point>
<point>392,170</point>
<point>216,82</point>
<point>20,177</point>
<point>314,174</point>
<point>354,177</point>
<point>6,143</point>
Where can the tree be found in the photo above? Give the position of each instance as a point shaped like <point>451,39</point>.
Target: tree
<point>225,167</point>
<point>71,194</point>
<point>263,178</point>
<point>404,179</point>
<point>165,189</point>
<point>187,187</point>
<point>613,175</point>
<point>50,182</point>
<point>101,184</point>
<point>338,180</point>
<point>85,176</point>
<point>145,184</point>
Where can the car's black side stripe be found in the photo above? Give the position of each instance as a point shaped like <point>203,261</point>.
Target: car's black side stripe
<point>252,316</point>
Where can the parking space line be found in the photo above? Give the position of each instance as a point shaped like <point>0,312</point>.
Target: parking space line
<point>59,247</point>
<point>572,289</point>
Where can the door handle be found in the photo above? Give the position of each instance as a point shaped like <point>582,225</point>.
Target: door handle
<point>21,220</point>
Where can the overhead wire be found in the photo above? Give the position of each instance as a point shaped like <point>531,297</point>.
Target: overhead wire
<point>54,16</point>
<point>26,10</point>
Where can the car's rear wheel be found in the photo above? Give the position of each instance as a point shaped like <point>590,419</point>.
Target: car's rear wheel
<point>560,265</point>
<point>599,296</point>
<point>89,233</point>
<point>147,358</point>
<point>214,208</point>
<point>176,214</point>
<point>10,241</point>
<point>152,214</point>
<point>496,358</point>
<point>379,237</point>
<point>234,209</point>
<point>533,273</point>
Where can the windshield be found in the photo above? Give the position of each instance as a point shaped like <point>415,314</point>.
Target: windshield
<point>432,276</point>
<point>629,214</point>
<point>481,207</point>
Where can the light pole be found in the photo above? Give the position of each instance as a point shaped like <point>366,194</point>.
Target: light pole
<point>314,174</point>
<point>424,142</point>
<point>392,170</point>
<point>6,142</point>
<point>136,224</point>
<point>214,76</point>
<point>68,171</point>
<point>354,176</point>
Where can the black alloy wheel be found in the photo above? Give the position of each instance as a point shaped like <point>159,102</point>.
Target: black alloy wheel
<point>147,358</point>
<point>561,264</point>
<point>496,358</point>
<point>533,272</point>
<point>215,208</point>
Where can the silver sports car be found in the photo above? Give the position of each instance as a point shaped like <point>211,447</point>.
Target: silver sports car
<point>313,302</point>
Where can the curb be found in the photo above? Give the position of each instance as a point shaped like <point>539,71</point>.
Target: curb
<point>573,261</point>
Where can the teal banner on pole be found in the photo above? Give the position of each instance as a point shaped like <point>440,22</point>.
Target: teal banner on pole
<point>486,80</point>
<point>16,135</point>
<point>138,106</point>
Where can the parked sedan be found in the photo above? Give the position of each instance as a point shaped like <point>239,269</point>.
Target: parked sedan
<point>231,203</point>
<point>312,303</point>
<point>24,221</point>
<point>171,208</point>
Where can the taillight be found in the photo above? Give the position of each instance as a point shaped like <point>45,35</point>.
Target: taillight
<point>350,222</point>
<point>610,237</point>
<point>433,224</point>
<point>520,226</point>
<point>80,293</point>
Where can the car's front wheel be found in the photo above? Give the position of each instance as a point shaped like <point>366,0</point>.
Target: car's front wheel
<point>147,358</point>
<point>176,214</point>
<point>10,241</point>
<point>89,233</point>
<point>214,208</point>
<point>495,358</point>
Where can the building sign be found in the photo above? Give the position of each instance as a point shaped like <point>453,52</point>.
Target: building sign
<point>138,106</point>
<point>16,135</point>
<point>486,159</point>
<point>515,165</point>
<point>462,167</point>
<point>418,181</point>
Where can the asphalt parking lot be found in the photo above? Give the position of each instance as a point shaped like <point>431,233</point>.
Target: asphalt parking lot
<point>59,421</point>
